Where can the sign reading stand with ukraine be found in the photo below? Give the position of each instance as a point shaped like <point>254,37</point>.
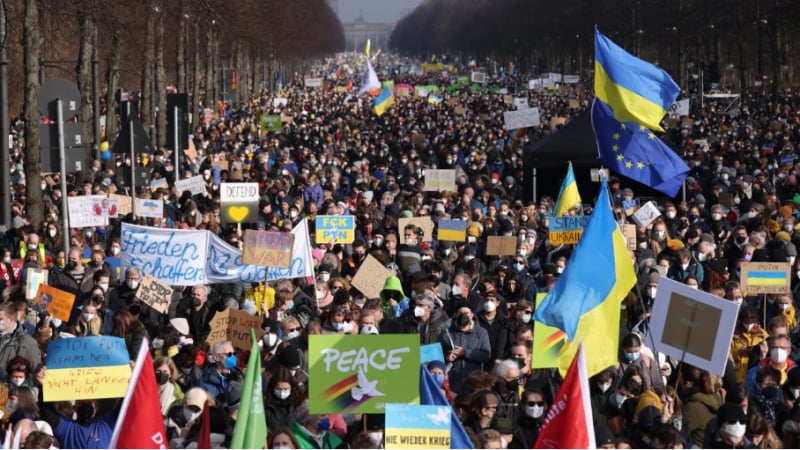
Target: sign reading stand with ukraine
<point>362,373</point>
<point>417,426</point>
<point>86,368</point>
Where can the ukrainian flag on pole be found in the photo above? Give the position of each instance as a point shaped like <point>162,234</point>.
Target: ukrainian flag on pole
<point>568,196</point>
<point>636,90</point>
<point>383,101</point>
<point>585,301</point>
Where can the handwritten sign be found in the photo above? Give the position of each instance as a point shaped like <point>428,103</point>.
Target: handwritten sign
<point>234,325</point>
<point>423,222</point>
<point>417,426</point>
<point>521,102</point>
<point>339,229</point>
<point>279,102</point>
<point>371,277</point>
<point>35,278</point>
<point>56,302</point>
<point>629,232</point>
<point>124,203</point>
<point>478,77</point>
<point>194,184</point>
<point>267,248</point>
<point>567,229</point>
<point>501,245</point>
<point>239,202</point>
<point>646,214</point>
<point>521,118</point>
<point>440,180</point>
<point>154,294</point>
<point>766,277</point>
<point>147,207</point>
<point>88,211</point>
<point>174,257</point>
<point>679,108</point>
<point>86,368</point>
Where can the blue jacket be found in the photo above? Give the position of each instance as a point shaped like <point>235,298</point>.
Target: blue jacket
<point>71,434</point>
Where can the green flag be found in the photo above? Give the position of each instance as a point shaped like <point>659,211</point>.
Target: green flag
<point>251,425</point>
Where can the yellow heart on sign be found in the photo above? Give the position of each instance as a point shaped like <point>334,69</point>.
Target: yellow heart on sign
<point>238,213</point>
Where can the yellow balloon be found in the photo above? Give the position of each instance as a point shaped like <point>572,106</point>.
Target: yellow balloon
<point>104,146</point>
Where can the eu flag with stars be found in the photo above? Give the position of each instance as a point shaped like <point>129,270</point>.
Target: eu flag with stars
<point>635,151</point>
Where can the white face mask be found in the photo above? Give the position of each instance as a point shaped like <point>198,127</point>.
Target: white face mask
<point>88,316</point>
<point>534,411</point>
<point>376,438</point>
<point>526,318</point>
<point>115,250</point>
<point>132,284</point>
<point>104,286</point>
<point>489,306</point>
<point>796,392</point>
<point>749,326</point>
<point>671,214</point>
<point>52,233</point>
<point>716,217</point>
<point>419,311</point>
<point>735,431</point>
<point>652,292</point>
<point>778,355</point>
<point>292,334</point>
<point>456,291</point>
<point>190,415</point>
<point>325,277</point>
<point>604,387</point>
<point>18,381</point>
<point>320,295</point>
<point>7,259</point>
<point>784,306</point>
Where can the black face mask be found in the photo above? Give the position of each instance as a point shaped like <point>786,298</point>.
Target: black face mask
<point>512,385</point>
<point>71,265</point>
<point>462,320</point>
<point>741,239</point>
<point>134,309</point>
<point>85,413</point>
<point>162,378</point>
<point>196,302</point>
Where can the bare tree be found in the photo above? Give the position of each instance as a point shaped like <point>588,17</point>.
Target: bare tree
<point>31,42</point>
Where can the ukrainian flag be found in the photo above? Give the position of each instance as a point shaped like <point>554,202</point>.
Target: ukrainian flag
<point>383,101</point>
<point>434,99</point>
<point>568,196</point>
<point>636,90</point>
<point>452,230</point>
<point>585,301</point>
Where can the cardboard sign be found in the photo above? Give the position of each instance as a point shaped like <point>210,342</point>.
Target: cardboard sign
<point>501,245</point>
<point>194,184</point>
<point>124,203</point>
<point>146,207</point>
<point>335,229</point>
<point>86,368</point>
<point>423,222</point>
<point>362,373</point>
<point>191,152</point>
<point>567,229</point>
<point>402,92</point>
<point>573,104</point>
<point>154,294</point>
<point>571,79</point>
<point>35,278</point>
<point>547,342</point>
<point>267,248</point>
<point>438,180</point>
<point>766,277</point>
<point>645,215</point>
<point>629,232</point>
<point>417,426</point>
<point>371,277</point>
<point>239,202</point>
<point>56,302</point>
<point>726,199</point>
<point>521,118</point>
<point>460,110</point>
<point>700,325</point>
<point>234,325</point>
<point>557,121</point>
<point>508,99</point>
<point>88,211</point>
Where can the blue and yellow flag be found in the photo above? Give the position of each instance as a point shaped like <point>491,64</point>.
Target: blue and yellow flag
<point>568,196</point>
<point>636,90</point>
<point>434,99</point>
<point>383,101</point>
<point>585,301</point>
<point>635,151</point>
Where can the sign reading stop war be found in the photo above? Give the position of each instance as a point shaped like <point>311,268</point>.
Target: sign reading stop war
<point>154,294</point>
<point>234,325</point>
<point>267,248</point>
<point>766,277</point>
<point>86,368</point>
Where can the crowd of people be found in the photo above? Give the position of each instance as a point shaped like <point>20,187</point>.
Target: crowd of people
<point>334,155</point>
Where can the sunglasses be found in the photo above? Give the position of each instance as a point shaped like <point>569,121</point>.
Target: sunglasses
<point>535,403</point>
<point>294,329</point>
<point>735,421</point>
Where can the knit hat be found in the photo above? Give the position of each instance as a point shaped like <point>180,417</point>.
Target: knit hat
<point>604,436</point>
<point>653,277</point>
<point>436,365</point>
<point>180,324</point>
<point>647,399</point>
<point>674,244</point>
<point>785,211</point>
<point>289,357</point>
<point>730,411</point>
<point>784,236</point>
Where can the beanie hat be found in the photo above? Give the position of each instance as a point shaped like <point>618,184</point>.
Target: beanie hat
<point>647,399</point>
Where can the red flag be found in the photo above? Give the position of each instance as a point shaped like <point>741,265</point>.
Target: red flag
<point>569,422</point>
<point>204,438</point>
<point>140,423</point>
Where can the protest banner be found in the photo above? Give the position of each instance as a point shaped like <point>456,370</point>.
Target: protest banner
<point>267,248</point>
<point>521,102</point>
<point>679,108</point>
<point>238,202</point>
<point>700,325</point>
<point>598,175</point>
<point>362,373</point>
<point>35,278</point>
<point>270,122</point>
<point>154,294</point>
<point>371,277</point>
<point>124,203</point>
<point>225,265</point>
<point>417,426</point>
<point>452,230</point>
<point>501,245</point>
<point>508,99</point>
<point>431,352</point>
<point>572,79</point>
<point>337,229</point>
<point>88,211</point>
<point>194,184</point>
<point>86,368</point>
<point>423,222</point>
<point>646,214</point>
<point>547,342</point>
<point>146,207</point>
<point>766,277</point>
<point>174,257</point>
<point>313,82</point>
<point>567,229</point>
<point>521,118</point>
<point>279,102</point>
<point>54,301</point>
<point>478,77</point>
<point>440,180</point>
<point>234,325</point>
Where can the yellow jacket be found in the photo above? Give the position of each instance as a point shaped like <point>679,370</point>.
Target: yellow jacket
<point>261,294</point>
<point>741,345</point>
<point>791,317</point>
